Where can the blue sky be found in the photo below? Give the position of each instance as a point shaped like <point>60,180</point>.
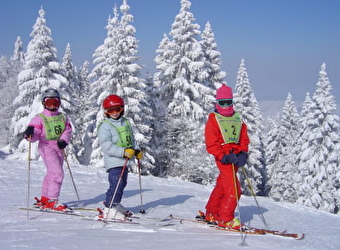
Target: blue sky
<point>283,42</point>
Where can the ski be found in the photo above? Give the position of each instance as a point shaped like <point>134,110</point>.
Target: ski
<point>67,212</point>
<point>84,217</point>
<point>258,231</point>
<point>157,224</point>
<point>245,229</point>
<point>134,220</point>
<point>84,209</point>
<point>146,220</point>
<point>154,221</point>
<point>108,221</point>
<point>141,217</point>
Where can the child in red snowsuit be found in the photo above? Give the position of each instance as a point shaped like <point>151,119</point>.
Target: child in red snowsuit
<point>227,140</point>
<point>53,131</point>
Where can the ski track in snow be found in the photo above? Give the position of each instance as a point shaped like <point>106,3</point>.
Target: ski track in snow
<point>161,197</point>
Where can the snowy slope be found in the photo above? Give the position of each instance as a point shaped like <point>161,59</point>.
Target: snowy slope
<point>161,197</point>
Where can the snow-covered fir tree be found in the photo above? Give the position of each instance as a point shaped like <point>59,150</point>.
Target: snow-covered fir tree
<point>103,84</point>
<point>300,149</point>
<point>163,75</point>
<point>83,80</point>
<point>70,72</point>
<point>100,87</point>
<point>273,149</point>
<point>247,105</point>
<point>150,101</point>
<point>84,106</point>
<point>9,69</point>
<point>41,71</point>
<point>131,86</point>
<point>283,172</point>
<point>185,99</point>
<point>213,58</point>
<point>8,91</point>
<point>319,158</point>
<point>18,53</point>
<point>117,72</point>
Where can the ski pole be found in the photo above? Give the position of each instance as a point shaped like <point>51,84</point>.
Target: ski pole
<point>29,176</point>
<point>69,169</point>
<point>116,189</point>
<point>142,211</point>
<point>243,238</point>
<point>253,194</point>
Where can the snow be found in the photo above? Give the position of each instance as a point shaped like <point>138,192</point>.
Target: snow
<point>161,197</point>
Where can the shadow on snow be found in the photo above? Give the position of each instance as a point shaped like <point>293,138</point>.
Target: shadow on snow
<point>167,201</point>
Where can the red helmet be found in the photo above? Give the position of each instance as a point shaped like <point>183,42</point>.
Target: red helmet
<point>112,100</point>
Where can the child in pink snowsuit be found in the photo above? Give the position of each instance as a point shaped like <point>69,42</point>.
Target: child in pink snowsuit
<point>53,131</point>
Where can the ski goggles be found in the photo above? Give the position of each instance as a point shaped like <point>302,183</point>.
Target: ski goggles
<point>225,102</point>
<point>115,109</point>
<point>52,102</point>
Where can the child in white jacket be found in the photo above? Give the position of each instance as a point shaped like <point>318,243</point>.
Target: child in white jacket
<point>118,145</point>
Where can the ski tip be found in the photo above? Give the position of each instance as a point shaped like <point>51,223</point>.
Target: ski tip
<point>300,236</point>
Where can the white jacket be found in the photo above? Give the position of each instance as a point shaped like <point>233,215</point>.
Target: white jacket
<point>108,139</point>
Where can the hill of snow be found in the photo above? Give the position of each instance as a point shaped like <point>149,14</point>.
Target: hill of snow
<point>161,197</point>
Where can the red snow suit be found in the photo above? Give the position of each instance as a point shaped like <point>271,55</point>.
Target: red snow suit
<point>222,201</point>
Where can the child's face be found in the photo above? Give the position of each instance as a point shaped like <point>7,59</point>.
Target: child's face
<point>115,115</point>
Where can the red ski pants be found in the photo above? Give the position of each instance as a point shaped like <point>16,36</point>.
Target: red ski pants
<point>222,201</point>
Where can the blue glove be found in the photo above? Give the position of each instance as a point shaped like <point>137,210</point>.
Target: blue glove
<point>61,144</point>
<point>29,131</point>
<point>230,158</point>
<point>242,158</point>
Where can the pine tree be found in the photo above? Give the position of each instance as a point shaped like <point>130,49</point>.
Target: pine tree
<point>185,98</point>
<point>300,149</point>
<point>83,81</point>
<point>18,54</point>
<point>103,84</point>
<point>160,82</point>
<point>8,92</point>
<point>41,71</point>
<point>213,58</point>
<point>117,72</point>
<point>273,151</point>
<point>84,106</point>
<point>281,180</point>
<point>69,71</point>
<point>247,105</point>
<point>9,69</point>
<point>131,87</point>
<point>319,158</point>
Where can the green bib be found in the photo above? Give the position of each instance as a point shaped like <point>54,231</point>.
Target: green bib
<point>230,127</point>
<point>54,126</point>
<point>124,133</point>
